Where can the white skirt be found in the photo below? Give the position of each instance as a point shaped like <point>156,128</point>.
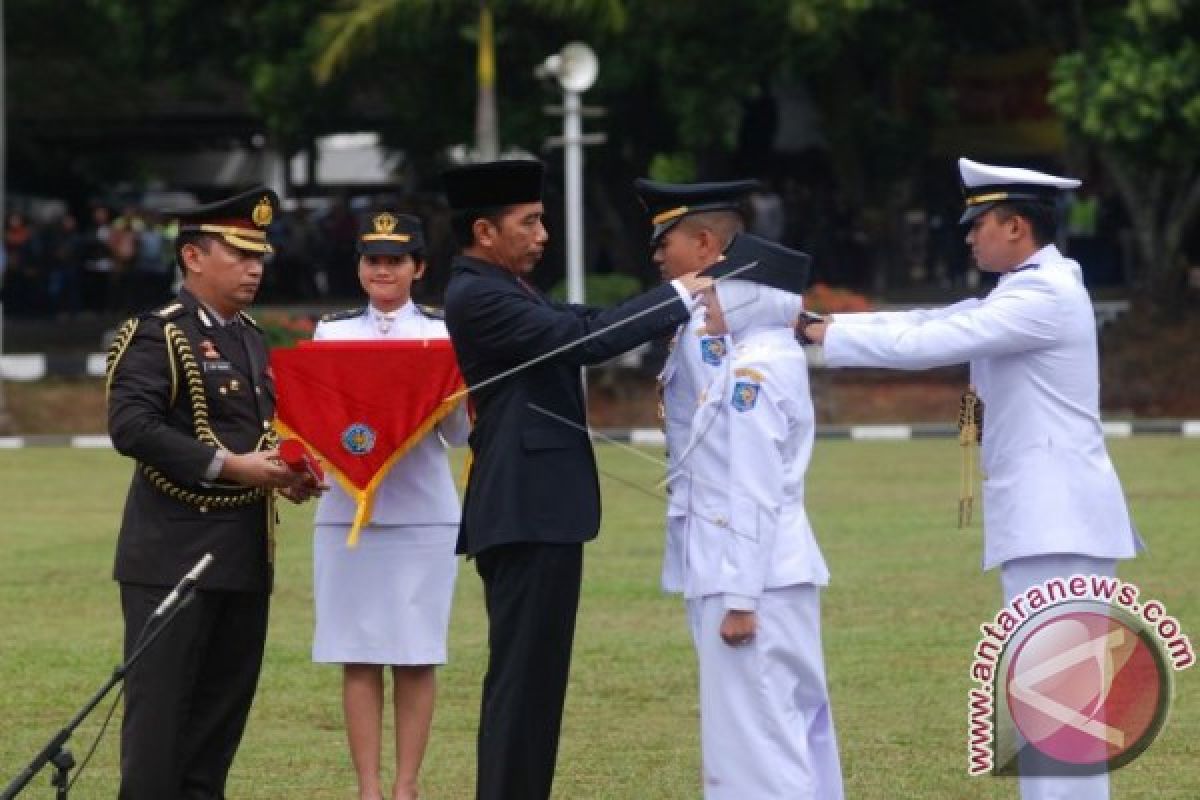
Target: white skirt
<point>387,601</point>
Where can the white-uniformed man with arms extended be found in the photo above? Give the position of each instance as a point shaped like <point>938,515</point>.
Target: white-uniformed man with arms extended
<point>746,559</point>
<point>1053,505</point>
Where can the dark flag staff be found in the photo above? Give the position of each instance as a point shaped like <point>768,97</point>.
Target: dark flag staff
<point>55,751</point>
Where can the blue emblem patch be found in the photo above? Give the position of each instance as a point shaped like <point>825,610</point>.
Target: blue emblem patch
<point>712,349</point>
<point>358,439</point>
<point>745,395</point>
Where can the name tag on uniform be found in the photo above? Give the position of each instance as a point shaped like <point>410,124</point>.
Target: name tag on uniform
<point>217,366</point>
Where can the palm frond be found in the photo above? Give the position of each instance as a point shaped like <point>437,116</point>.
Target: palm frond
<point>347,29</point>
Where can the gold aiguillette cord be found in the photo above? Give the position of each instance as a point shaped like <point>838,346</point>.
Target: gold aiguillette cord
<point>970,432</point>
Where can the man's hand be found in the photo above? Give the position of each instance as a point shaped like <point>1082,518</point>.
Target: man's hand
<point>262,469</point>
<point>738,627</point>
<point>305,491</point>
<point>810,328</point>
<point>695,283</point>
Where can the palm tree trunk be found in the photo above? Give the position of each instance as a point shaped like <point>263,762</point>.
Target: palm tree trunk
<point>487,137</point>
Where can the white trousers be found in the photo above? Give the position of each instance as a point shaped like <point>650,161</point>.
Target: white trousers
<point>766,728</point>
<point>1015,577</point>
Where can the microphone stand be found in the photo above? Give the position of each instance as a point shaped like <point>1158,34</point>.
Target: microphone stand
<point>55,751</point>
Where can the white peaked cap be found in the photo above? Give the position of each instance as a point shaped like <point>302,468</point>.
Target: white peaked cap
<point>984,185</point>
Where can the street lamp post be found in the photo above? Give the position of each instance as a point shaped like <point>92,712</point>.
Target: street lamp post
<point>575,68</point>
<point>573,167</point>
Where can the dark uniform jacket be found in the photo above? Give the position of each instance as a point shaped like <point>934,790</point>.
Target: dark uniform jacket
<point>533,475</point>
<point>179,386</point>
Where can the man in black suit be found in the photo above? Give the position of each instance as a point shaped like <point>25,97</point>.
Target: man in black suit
<point>191,400</point>
<point>532,497</point>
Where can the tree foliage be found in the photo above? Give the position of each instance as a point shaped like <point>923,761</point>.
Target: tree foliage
<point>681,81</point>
<point>1133,93</point>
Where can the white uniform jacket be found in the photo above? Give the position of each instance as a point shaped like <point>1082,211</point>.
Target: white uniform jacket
<point>419,489</point>
<point>695,358</point>
<point>1049,486</point>
<point>740,478</point>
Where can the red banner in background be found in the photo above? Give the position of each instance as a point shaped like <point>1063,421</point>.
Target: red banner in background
<point>361,405</point>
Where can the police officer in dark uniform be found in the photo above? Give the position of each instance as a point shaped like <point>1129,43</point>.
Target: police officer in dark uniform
<point>533,496</point>
<point>190,399</point>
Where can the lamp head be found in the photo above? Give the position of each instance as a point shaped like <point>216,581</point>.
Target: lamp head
<point>575,67</point>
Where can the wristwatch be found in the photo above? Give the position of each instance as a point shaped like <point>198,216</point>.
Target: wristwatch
<point>805,319</point>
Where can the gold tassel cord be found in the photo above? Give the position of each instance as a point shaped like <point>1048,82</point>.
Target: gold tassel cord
<point>970,433</point>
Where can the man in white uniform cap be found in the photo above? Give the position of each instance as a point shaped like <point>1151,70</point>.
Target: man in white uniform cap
<point>744,556</point>
<point>693,226</point>
<point>1053,506</point>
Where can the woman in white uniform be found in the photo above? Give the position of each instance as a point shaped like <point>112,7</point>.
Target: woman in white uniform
<point>387,601</point>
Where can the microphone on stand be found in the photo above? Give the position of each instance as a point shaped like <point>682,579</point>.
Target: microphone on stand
<point>183,590</point>
<point>55,751</point>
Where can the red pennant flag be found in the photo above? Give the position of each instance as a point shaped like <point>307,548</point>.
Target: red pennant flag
<point>361,405</point>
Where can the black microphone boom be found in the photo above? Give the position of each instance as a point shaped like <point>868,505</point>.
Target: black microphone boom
<point>54,751</point>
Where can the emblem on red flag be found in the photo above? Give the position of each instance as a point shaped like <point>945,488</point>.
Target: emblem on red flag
<point>358,439</point>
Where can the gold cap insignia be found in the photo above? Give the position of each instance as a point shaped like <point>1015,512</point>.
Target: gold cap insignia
<point>384,223</point>
<point>263,213</point>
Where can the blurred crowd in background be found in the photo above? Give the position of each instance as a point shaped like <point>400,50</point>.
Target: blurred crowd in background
<point>116,259</point>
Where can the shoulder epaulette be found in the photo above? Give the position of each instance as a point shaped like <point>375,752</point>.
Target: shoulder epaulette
<point>349,313</point>
<point>249,320</point>
<point>432,312</point>
<point>170,311</point>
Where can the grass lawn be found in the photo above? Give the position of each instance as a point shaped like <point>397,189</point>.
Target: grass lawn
<point>900,619</point>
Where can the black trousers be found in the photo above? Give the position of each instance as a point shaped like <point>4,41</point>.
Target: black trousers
<point>188,696</point>
<point>532,594</point>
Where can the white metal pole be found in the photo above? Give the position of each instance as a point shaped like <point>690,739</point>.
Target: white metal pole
<point>573,163</point>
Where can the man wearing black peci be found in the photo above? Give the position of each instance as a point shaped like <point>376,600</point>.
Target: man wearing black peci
<point>190,399</point>
<point>533,497</point>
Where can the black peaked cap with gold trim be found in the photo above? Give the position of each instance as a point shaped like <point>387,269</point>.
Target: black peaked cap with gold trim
<point>985,185</point>
<point>668,203</point>
<point>389,233</point>
<point>494,183</point>
<point>773,264</point>
<point>241,221</point>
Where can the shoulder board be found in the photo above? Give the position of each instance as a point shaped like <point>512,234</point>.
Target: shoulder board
<point>432,312</point>
<point>351,313</point>
<point>747,372</point>
<point>249,320</point>
<point>169,312</point>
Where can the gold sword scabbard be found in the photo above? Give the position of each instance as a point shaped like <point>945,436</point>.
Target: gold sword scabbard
<point>970,430</point>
